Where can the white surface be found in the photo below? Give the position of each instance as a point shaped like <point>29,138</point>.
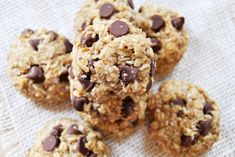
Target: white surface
<point>209,62</point>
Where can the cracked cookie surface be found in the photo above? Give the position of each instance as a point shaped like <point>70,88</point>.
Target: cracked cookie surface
<point>37,65</point>
<point>66,137</point>
<point>186,121</point>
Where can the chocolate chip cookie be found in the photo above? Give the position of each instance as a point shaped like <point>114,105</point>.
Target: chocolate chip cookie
<point>104,10</point>
<point>111,74</point>
<point>66,137</point>
<point>186,121</point>
<point>38,65</point>
<point>169,38</point>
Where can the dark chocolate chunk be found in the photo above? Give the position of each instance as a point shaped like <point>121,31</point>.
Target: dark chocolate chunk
<point>204,127</point>
<point>156,45</point>
<point>53,35</point>
<point>178,23</point>
<point>68,46</point>
<point>57,130</point>
<point>36,74</point>
<point>119,28</point>
<point>179,101</point>
<point>207,109</point>
<point>88,40</point>
<point>158,23</point>
<point>81,146</point>
<point>34,43</point>
<point>107,10</point>
<point>131,4</point>
<point>188,141</point>
<point>50,143</point>
<point>64,76</point>
<point>128,73</point>
<point>73,130</point>
<point>87,83</point>
<point>153,66</point>
<point>79,102</point>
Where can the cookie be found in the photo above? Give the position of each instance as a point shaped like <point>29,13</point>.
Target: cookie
<point>112,72</point>
<point>38,65</point>
<point>102,11</point>
<point>66,137</point>
<point>186,121</point>
<point>169,38</point>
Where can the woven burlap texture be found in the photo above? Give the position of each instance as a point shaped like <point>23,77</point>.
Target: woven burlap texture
<point>209,62</point>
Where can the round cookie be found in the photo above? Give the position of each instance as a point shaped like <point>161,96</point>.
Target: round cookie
<point>66,137</point>
<point>112,72</point>
<point>186,121</point>
<point>104,10</point>
<point>37,65</point>
<point>169,38</point>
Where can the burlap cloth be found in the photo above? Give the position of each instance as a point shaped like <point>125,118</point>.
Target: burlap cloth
<point>209,62</point>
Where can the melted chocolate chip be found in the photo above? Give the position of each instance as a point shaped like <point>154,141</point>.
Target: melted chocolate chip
<point>207,109</point>
<point>153,66</point>
<point>131,4</point>
<point>179,101</point>
<point>178,23</point>
<point>68,46</point>
<point>79,102</point>
<point>64,76</point>
<point>189,140</point>
<point>81,146</point>
<point>57,130</point>
<point>88,40</point>
<point>87,84</point>
<point>158,23</point>
<point>50,143</point>
<point>128,73</point>
<point>119,28</point>
<point>36,74</point>
<point>73,130</point>
<point>34,43</point>
<point>107,10</point>
<point>156,45</point>
<point>127,106</point>
<point>204,127</point>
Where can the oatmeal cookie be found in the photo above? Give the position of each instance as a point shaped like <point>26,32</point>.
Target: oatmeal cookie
<point>186,121</point>
<point>169,38</point>
<point>102,11</point>
<point>38,62</point>
<point>111,74</point>
<point>66,137</point>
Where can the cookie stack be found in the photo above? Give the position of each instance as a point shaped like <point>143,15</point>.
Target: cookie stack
<point>117,55</point>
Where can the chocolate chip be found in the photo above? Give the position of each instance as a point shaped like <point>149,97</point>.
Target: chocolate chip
<point>73,130</point>
<point>156,45</point>
<point>50,143</point>
<point>119,28</point>
<point>81,146</point>
<point>207,109</point>
<point>88,40</point>
<point>153,66</point>
<point>131,4</point>
<point>189,140</point>
<point>158,23</point>
<point>140,10</point>
<point>107,10</point>
<point>179,101</point>
<point>28,31</point>
<point>149,85</point>
<point>178,23</point>
<point>93,155</point>
<point>87,84</point>
<point>57,130</point>
<point>36,74</point>
<point>53,35</point>
<point>79,102</point>
<point>68,46</point>
<point>84,25</point>
<point>34,43</point>
<point>128,73</point>
<point>71,72</point>
<point>204,127</point>
<point>64,76</point>
<point>127,106</point>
